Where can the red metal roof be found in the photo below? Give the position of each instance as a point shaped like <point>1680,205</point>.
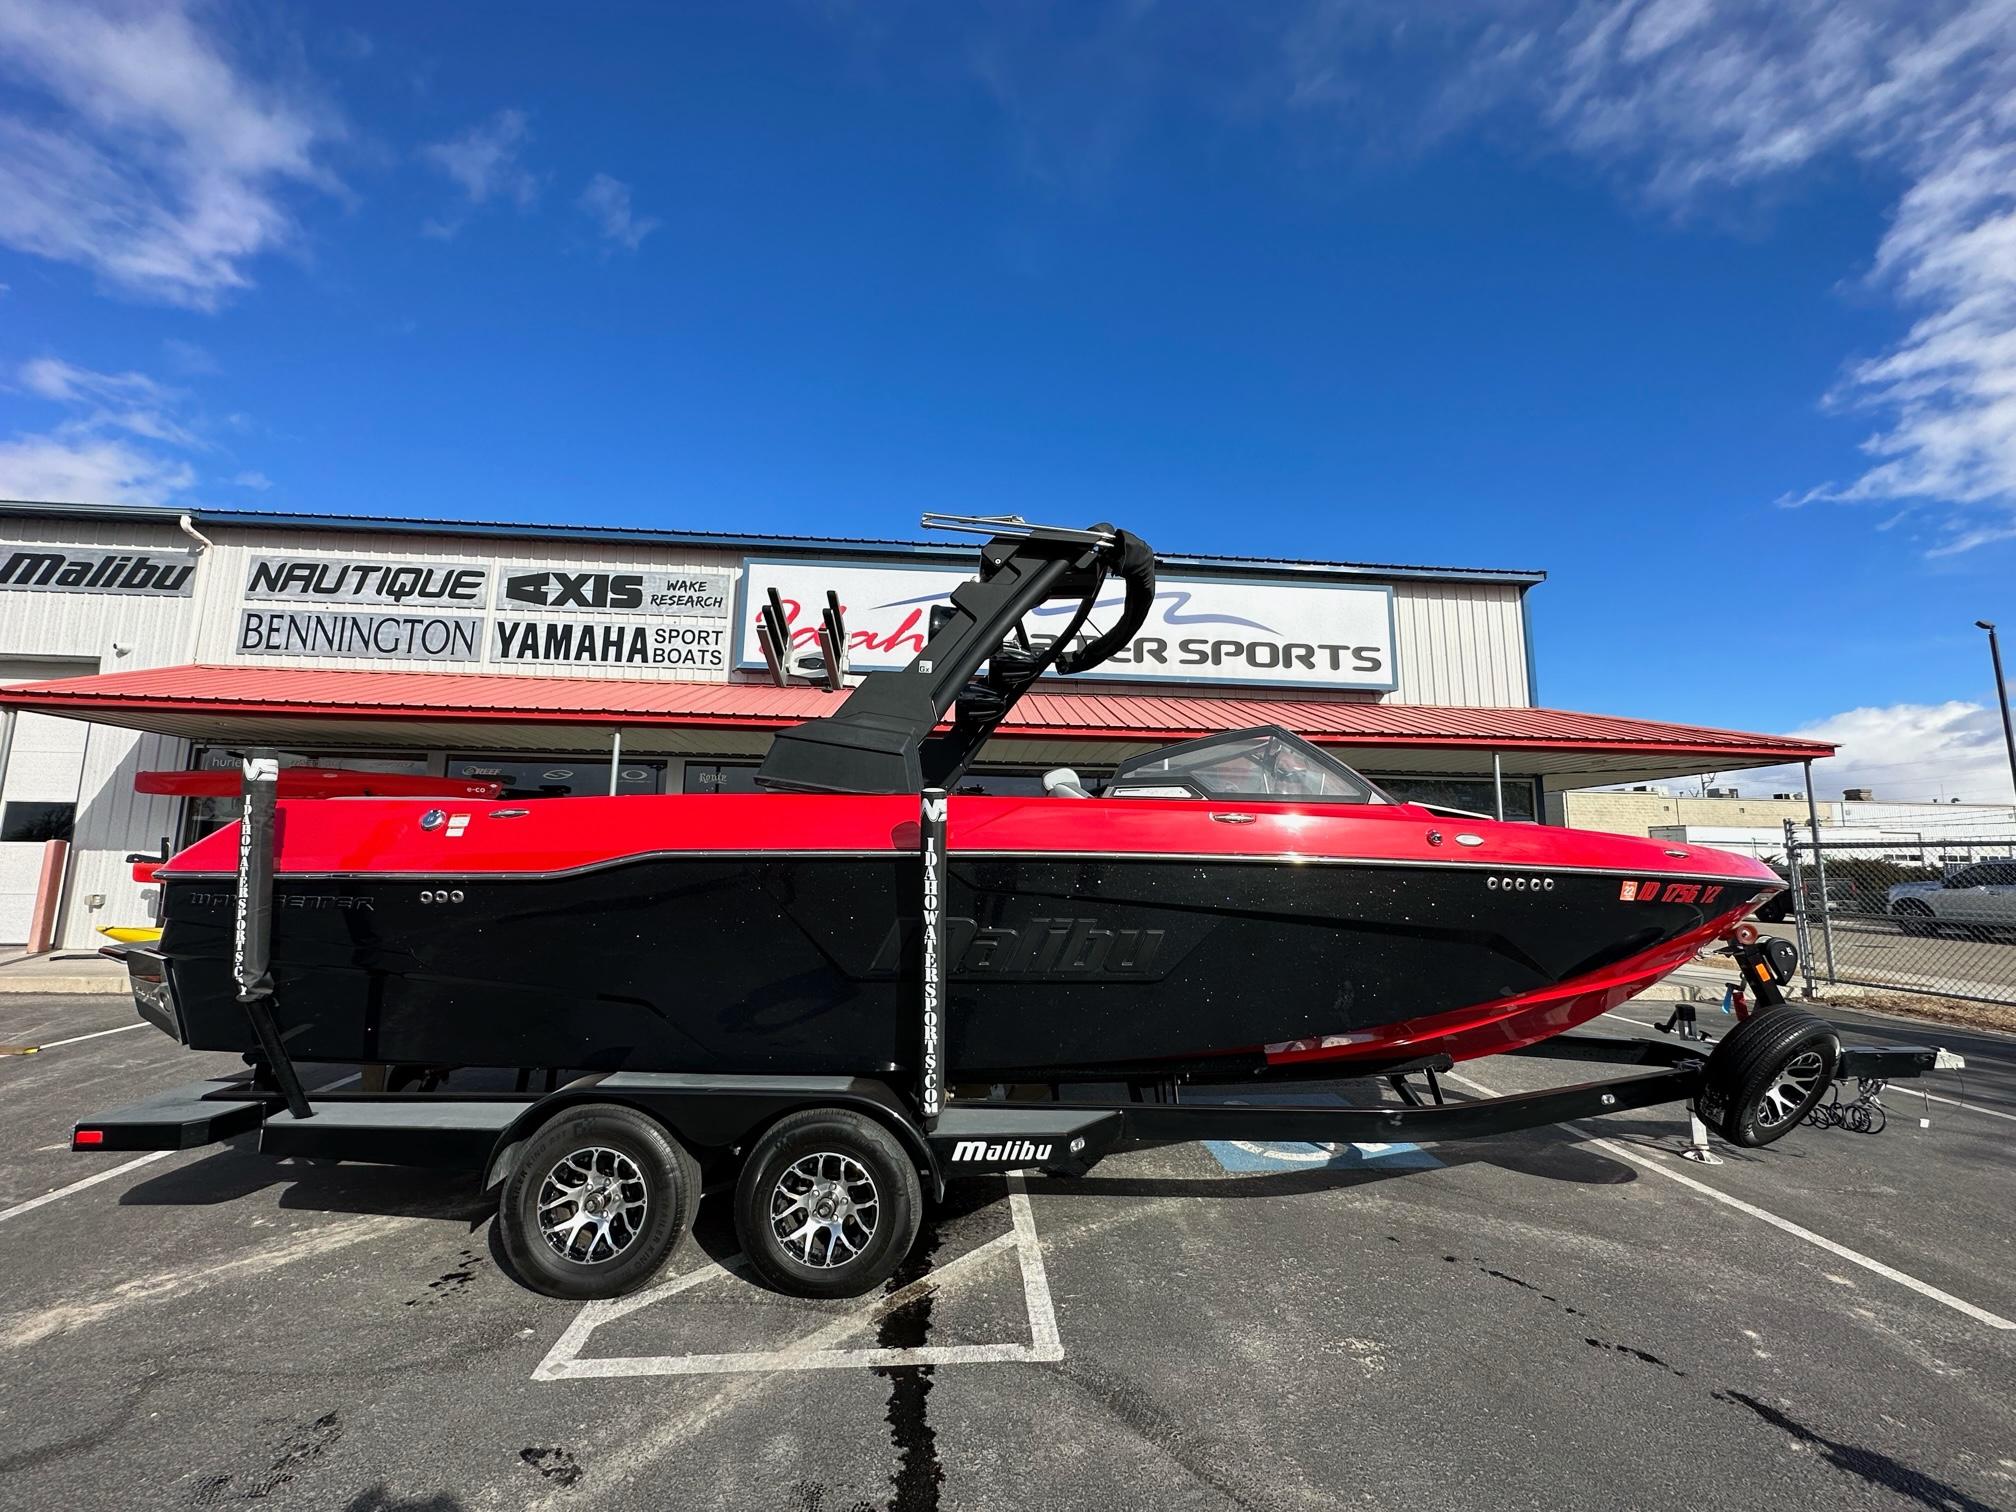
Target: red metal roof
<point>1135,716</point>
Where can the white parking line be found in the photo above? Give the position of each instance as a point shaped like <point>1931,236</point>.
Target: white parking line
<point>564,1362</point>
<point>1853,1257</point>
<point>78,1039</point>
<point>119,1170</point>
<point>77,1186</point>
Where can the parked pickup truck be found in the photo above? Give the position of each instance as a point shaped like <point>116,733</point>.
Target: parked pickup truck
<point>1978,899</point>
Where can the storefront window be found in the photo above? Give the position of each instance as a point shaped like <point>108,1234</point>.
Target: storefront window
<point>1471,793</point>
<point>37,821</point>
<point>559,776</point>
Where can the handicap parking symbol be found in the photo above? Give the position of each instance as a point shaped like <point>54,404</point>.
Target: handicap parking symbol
<point>1246,1157</point>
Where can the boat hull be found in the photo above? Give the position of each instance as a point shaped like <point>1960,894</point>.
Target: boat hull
<point>797,963</point>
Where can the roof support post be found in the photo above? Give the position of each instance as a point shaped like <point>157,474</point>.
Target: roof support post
<point>615,758</point>
<point>1498,786</point>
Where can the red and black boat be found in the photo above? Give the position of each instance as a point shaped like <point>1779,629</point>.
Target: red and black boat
<point>1247,892</point>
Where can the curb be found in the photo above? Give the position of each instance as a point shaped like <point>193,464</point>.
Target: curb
<point>63,986</point>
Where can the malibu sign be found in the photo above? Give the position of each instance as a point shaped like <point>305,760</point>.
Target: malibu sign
<point>1201,630</point>
<point>61,570</point>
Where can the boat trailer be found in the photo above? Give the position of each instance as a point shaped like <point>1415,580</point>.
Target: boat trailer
<point>829,1172</point>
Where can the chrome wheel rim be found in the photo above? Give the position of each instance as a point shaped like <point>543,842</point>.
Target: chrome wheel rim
<point>1796,1082</point>
<point>592,1205</point>
<point>823,1209</point>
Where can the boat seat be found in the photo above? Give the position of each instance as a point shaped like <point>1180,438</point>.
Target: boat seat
<point>1062,782</point>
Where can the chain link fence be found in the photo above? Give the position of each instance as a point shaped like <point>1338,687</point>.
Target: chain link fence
<point>1916,912</point>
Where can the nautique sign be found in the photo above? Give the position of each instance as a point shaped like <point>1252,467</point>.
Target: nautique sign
<point>343,580</point>
<point>1201,630</point>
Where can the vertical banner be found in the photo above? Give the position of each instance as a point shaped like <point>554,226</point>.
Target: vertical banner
<point>251,946</point>
<point>931,1061</point>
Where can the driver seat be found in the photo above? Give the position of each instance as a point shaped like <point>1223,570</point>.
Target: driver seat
<point>1062,782</point>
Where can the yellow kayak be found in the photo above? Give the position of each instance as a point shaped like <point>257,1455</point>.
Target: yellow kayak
<point>127,934</point>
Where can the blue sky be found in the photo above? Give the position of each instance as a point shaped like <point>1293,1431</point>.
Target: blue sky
<point>1606,290</point>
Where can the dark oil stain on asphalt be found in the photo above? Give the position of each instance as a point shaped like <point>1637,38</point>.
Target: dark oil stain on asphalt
<point>1646,1356</point>
<point>918,1477</point>
<point>556,1465</point>
<point>450,1283</point>
<point>1870,1465</point>
<point>300,1449</point>
<point>1498,1275</point>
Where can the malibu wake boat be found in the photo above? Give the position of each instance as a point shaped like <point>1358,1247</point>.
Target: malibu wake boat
<point>862,980</point>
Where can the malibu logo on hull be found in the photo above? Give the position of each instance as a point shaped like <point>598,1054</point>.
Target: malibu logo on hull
<point>1074,949</point>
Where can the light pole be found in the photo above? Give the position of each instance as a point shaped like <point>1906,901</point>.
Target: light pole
<point>2001,693</point>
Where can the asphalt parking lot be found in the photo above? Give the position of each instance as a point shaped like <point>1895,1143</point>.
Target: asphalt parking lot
<point>1566,1319</point>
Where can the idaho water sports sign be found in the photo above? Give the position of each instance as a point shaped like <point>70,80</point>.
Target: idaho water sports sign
<point>1201,630</point>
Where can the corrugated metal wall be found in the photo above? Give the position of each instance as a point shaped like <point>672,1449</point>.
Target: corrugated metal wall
<point>111,632</point>
<point>1459,643</point>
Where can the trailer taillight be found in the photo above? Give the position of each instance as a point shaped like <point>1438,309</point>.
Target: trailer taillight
<point>85,1138</point>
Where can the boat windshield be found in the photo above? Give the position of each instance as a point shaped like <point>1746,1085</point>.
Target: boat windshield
<point>1264,764</point>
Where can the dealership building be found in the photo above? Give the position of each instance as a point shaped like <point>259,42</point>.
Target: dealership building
<point>576,659</point>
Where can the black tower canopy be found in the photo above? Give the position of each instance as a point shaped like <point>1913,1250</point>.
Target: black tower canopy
<point>884,740</point>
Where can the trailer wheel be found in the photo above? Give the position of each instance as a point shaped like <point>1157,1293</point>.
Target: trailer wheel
<point>828,1203</point>
<point>1767,1075</point>
<point>598,1201</point>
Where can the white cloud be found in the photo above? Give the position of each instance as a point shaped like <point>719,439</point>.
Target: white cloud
<point>130,402</point>
<point>141,151</point>
<point>606,201</point>
<point>1924,752</point>
<point>256,481</point>
<point>115,443</point>
<point>89,470</point>
<point>484,161</point>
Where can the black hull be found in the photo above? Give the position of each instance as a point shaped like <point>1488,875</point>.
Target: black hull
<point>797,964</point>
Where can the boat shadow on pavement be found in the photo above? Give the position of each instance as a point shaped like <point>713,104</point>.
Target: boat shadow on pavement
<point>238,1171</point>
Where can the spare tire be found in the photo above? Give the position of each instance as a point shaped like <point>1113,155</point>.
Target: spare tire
<point>1767,1075</point>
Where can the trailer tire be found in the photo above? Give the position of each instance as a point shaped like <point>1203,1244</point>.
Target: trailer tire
<point>854,1187</point>
<point>1767,1074</point>
<point>640,1184</point>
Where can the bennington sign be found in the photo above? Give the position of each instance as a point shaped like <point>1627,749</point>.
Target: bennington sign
<point>1201,630</point>
<point>61,571</point>
<point>397,637</point>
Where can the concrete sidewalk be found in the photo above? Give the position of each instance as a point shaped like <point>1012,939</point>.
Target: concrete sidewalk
<point>62,971</point>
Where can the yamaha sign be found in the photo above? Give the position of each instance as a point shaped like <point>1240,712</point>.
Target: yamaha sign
<point>1227,631</point>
